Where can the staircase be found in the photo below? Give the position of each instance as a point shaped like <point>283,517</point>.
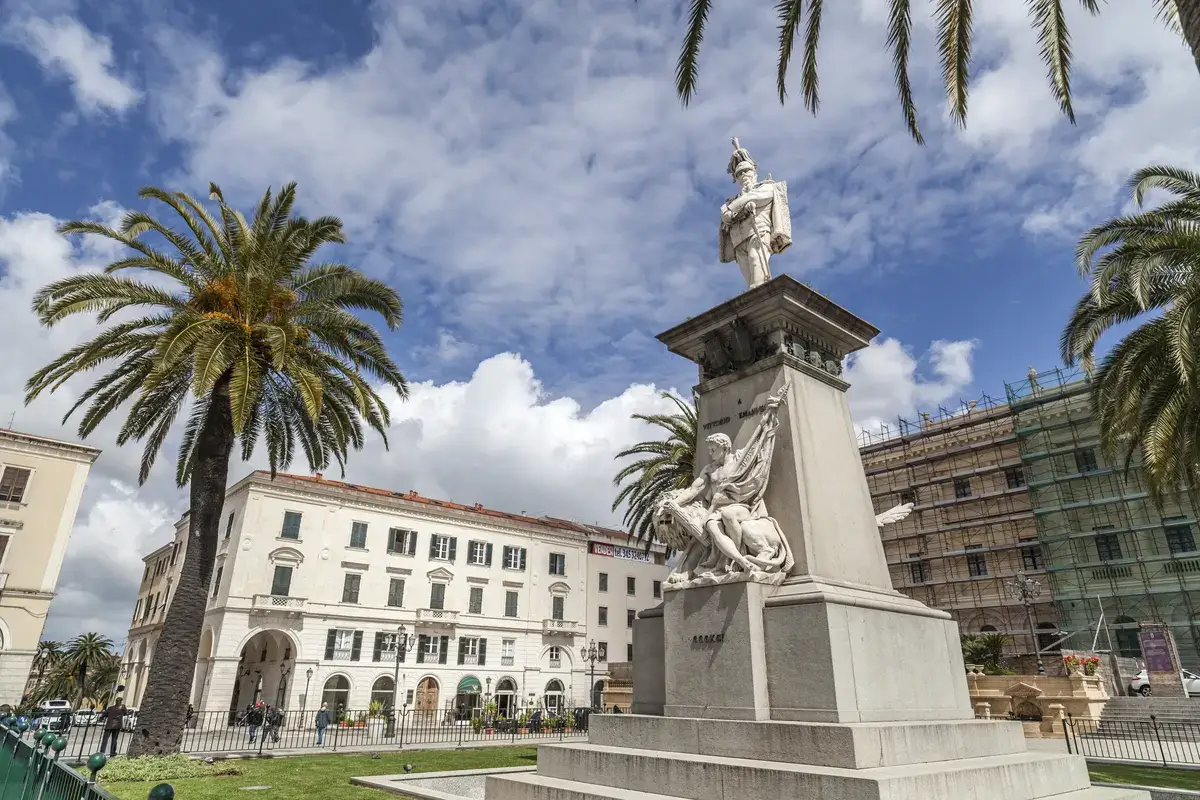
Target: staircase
<point>633,757</point>
<point>1130,717</point>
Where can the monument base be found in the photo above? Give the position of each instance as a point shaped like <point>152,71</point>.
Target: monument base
<point>808,651</point>
<point>633,757</point>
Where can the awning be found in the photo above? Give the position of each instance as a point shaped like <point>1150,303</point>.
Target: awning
<point>469,685</point>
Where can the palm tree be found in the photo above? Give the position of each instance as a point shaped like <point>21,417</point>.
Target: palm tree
<point>662,465</point>
<point>47,655</point>
<point>85,652</point>
<point>1146,392</point>
<point>102,680</point>
<point>954,21</point>
<point>236,316</point>
<point>985,649</point>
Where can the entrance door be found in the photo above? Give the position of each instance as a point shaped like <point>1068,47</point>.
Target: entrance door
<point>427,695</point>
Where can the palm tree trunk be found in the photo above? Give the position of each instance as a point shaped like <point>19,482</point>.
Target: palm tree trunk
<point>1189,20</point>
<point>164,705</point>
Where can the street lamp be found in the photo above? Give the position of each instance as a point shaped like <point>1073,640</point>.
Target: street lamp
<point>404,641</point>
<point>307,680</point>
<point>591,654</point>
<point>1024,590</point>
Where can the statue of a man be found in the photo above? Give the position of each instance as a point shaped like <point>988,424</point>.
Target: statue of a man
<point>755,223</point>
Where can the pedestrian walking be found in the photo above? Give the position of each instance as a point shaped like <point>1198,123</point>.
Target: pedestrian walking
<point>113,717</point>
<point>254,720</point>
<point>322,723</point>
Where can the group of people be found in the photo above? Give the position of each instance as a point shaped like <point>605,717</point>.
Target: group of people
<point>260,715</point>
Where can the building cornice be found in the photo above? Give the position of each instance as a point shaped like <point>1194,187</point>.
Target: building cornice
<point>44,446</point>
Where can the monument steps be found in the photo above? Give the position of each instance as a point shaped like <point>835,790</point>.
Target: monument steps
<point>1019,776</point>
<point>532,786</point>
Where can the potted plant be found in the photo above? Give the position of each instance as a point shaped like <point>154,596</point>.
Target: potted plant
<point>1073,664</point>
<point>489,712</point>
<point>1091,665</point>
<point>569,722</point>
<point>523,722</point>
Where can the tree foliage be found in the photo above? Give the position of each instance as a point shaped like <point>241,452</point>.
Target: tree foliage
<point>800,31</point>
<point>84,671</point>
<point>1145,267</point>
<point>660,465</point>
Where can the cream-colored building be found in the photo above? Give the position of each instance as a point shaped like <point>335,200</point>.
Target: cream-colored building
<point>313,578</point>
<point>41,483</point>
<point>158,577</point>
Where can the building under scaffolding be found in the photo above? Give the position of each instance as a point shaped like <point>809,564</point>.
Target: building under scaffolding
<point>1109,550</point>
<point>972,529</point>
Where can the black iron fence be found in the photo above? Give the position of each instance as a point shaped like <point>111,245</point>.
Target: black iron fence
<point>1150,740</point>
<point>335,730</point>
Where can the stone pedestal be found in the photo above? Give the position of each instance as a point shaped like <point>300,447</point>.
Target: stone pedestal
<point>829,684</point>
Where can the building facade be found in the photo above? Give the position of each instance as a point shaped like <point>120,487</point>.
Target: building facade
<point>314,580</point>
<point>159,575</point>
<point>972,529</point>
<point>1110,552</point>
<point>41,483</point>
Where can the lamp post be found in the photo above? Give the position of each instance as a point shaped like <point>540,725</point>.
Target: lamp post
<point>307,680</point>
<point>404,640</point>
<point>1024,589</point>
<point>591,654</point>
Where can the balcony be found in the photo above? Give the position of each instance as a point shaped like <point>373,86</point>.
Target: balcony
<point>506,661</point>
<point>471,659</point>
<point>437,616</point>
<point>555,663</point>
<point>274,603</point>
<point>559,627</point>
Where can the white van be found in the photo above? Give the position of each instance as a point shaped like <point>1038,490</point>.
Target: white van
<point>50,706</point>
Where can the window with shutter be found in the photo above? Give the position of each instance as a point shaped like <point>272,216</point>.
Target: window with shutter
<point>422,647</point>
<point>443,649</point>
<point>358,535</point>
<point>377,652</point>
<point>630,616</point>
<point>477,553</point>
<point>13,483</point>
<point>482,652</point>
<point>602,616</point>
<point>281,583</point>
<point>396,593</point>
<point>216,587</point>
<point>350,587</point>
<point>437,595</point>
<point>453,548</point>
<point>441,548</point>
<point>291,525</point>
<point>487,560</point>
<point>602,582</point>
<point>462,649</point>
<point>330,642</point>
<point>524,553</point>
<point>557,604</point>
<point>475,605</point>
<point>558,564</point>
<point>510,604</point>
<point>356,648</point>
<point>229,525</point>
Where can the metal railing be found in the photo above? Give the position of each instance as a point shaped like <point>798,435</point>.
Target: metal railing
<point>224,732</point>
<point>1152,741</point>
<point>32,767</point>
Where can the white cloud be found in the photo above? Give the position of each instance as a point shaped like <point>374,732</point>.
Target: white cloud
<point>64,47</point>
<point>887,381</point>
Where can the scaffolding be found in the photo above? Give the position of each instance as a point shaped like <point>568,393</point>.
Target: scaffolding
<point>972,529</point>
<point>1109,549</point>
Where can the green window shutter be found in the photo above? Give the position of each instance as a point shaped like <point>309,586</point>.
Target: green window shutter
<point>356,648</point>
<point>329,642</point>
<point>443,650</point>
<point>377,653</point>
<point>487,558</point>
<point>453,547</point>
<point>421,648</point>
<point>462,650</point>
<point>482,651</point>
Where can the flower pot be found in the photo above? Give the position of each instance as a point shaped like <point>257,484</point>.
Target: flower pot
<point>522,730</point>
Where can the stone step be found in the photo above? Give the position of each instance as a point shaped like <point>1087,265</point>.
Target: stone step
<point>530,786</point>
<point>1103,793</point>
<point>858,745</point>
<point>1022,776</point>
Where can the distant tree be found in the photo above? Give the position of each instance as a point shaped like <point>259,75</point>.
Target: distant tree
<point>955,39</point>
<point>661,465</point>
<point>86,653</point>
<point>985,649</point>
<point>1145,394</point>
<point>237,328</point>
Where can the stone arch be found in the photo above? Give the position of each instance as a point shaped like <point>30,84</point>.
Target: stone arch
<point>565,653</point>
<point>206,644</point>
<point>982,618</point>
<point>428,691</point>
<point>507,696</point>
<point>294,641</point>
<point>335,690</point>
<point>5,637</point>
<point>286,556</point>
<point>554,696</point>
<point>383,690</point>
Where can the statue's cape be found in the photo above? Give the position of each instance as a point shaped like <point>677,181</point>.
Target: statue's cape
<point>748,482</point>
<point>781,223</point>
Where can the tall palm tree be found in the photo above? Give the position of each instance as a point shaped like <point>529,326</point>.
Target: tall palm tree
<point>86,652</point>
<point>47,655</point>
<point>238,323</point>
<point>662,465</point>
<point>1145,393</point>
<point>955,35</point>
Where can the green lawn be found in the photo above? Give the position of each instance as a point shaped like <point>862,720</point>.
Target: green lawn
<point>1146,776</point>
<point>327,777</point>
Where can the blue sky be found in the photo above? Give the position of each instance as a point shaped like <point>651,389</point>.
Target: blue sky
<point>523,174</point>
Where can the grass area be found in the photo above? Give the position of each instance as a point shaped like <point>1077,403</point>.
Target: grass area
<point>1146,776</point>
<point>327,777</point>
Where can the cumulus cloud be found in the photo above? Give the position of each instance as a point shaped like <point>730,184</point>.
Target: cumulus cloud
<point>64,47</point>
<point>887,380</point>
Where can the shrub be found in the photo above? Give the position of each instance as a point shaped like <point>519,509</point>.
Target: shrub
<point>155,769</point>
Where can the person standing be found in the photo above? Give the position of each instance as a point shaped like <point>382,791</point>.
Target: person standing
<point>322,723</point>
<point>113,717</point>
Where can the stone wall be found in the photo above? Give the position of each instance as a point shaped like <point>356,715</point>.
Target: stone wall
<point>1029,697</point>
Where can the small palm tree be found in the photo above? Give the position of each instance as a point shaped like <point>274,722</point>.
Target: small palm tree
<point>985,649</point>
<point>1145,394</point>
<point>955,36</point>
<point>47,655</point>
<point>244,334</point>
<point>86,652</point>
<point>662,465</point>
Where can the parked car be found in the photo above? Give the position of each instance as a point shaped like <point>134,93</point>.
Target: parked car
<point>1141,683</point>
<point>84,717</point>
<point>51,706</point>
<point>130,720</point>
